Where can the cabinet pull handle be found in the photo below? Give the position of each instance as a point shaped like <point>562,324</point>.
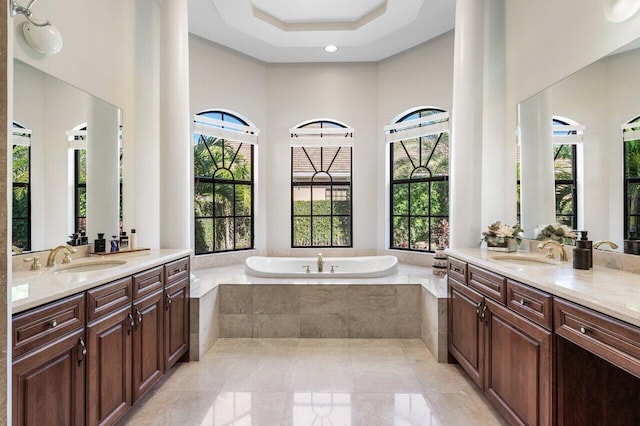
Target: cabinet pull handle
<point>478,308</point>
<point>484,313</point>
<point>130,323</point>
<point>583,329</point>
<point>523,302</point>
<point>53,323</point>
<point>139,315</point>
<point>168,300</point>
<point>175,271</point>
<point>82,350</point>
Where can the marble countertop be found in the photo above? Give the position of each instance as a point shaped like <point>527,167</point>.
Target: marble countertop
<point>34,288</point>
<point>207,279</point>
<point>609,291</point>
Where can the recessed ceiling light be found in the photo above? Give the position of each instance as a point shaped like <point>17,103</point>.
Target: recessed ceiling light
<point>331,48</point>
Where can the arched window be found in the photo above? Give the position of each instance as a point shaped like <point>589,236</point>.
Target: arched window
<point>223,182</point>
<point>419,159</point>
<point>321,202</point>
<point>565,169</point>
<point>631,137</point>
<point>21,187</point>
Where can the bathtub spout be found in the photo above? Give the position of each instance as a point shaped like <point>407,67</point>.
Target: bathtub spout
<point>320,262</point>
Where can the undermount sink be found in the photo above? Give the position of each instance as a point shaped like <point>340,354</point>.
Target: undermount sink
<point>524,259</point>
<point>96,265</point>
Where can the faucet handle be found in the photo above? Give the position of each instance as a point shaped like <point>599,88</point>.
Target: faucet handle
<point>67,258</point>
<point>36,262</point>
<point>333,268</point>
<point>308,271</point>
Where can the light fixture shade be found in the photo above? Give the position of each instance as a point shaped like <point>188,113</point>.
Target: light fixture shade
<point>621,10</point>
<point>46,39</point>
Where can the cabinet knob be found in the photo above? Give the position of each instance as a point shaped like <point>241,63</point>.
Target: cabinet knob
<point>53,323</point>
<point>583,329</point>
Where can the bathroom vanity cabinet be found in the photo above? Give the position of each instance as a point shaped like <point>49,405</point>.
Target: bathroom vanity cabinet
<point>541,359</point>
<point>508,356</point>
<point>87,358</point>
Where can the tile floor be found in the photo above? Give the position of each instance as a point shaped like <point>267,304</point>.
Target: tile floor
<point>272,382</point>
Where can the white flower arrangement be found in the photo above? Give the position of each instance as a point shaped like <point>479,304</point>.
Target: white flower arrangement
<point>498,233</point>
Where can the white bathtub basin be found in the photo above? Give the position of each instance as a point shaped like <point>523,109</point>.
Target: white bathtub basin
<point>344,267</point>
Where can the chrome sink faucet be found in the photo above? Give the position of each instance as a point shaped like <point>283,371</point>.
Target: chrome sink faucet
<point>51,260</point>
<point>320,262</point>
<point>553,244</point>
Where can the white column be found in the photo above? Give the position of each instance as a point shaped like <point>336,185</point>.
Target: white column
<point>466,125</point>
<point>498,148</point>
<point>536,162</point>
<point>141,180</point>
<point>175,214</point>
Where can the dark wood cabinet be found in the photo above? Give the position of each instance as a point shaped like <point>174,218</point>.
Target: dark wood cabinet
<point>109,367</point>
<point>466,331</point>
<point>49,383</point>
<point>509,356</point>
<point>176,321</point>
<point>519,373</point>
<point>148,359</point>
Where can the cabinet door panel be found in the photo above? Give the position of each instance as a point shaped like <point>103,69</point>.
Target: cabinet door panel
<point>48,384</point>
<point>466,335</point>
<point>109,367</point>
<point>148,365</point>
<point>176,322</point>
<point>518,367</point>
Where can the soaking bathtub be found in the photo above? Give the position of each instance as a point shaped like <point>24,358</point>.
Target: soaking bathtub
<point>343,267</point>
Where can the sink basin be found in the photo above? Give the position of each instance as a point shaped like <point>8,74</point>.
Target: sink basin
<point>524,259</point>
<point>96,265</point>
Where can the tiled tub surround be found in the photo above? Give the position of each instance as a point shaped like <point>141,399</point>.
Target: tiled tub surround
<point>609,291</point>
<point>226,302</point>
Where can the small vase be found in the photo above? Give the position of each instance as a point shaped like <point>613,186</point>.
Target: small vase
<point>508,245</point>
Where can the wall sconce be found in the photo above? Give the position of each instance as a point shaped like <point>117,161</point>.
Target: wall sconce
<point>42,37</point>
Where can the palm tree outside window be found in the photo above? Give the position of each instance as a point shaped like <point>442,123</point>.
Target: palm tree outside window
<point>223,190</point>
<point>420,185</point>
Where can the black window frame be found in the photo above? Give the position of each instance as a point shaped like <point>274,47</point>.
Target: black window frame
<point>331,183</point>
<point>573,182</point>
<point>27,185</point>
<point>422,112</point>
<point>213,181</point>
<point>628,181</point>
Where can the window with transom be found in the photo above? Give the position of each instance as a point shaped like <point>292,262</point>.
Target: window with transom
<point>321,201</point>
<point>419,198</point>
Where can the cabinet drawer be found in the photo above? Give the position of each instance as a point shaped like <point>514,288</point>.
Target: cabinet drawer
<point>533,304</point>
<point>489,284</point>
<point>44,324</point>
<point>176,270</point>
<point>108,298</point>
<point>457,269</point>
<point>609,338</point>
<point>147,282</point>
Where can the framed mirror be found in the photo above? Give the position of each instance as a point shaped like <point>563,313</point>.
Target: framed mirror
<point>67,153</point>
<point>574,160</point>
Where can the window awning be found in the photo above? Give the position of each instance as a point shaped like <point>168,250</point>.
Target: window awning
<point>630,131</point>
<point>326,136</point>
<point>21,136</point>
<point>410,129</point>
<point>568,134</point>
<point>225,130</point>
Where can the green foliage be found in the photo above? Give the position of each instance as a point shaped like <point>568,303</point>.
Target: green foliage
<point>222,199</point>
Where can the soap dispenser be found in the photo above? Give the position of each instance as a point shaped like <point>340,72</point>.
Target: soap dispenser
<point>583,253</point>
<point>99,245</point>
